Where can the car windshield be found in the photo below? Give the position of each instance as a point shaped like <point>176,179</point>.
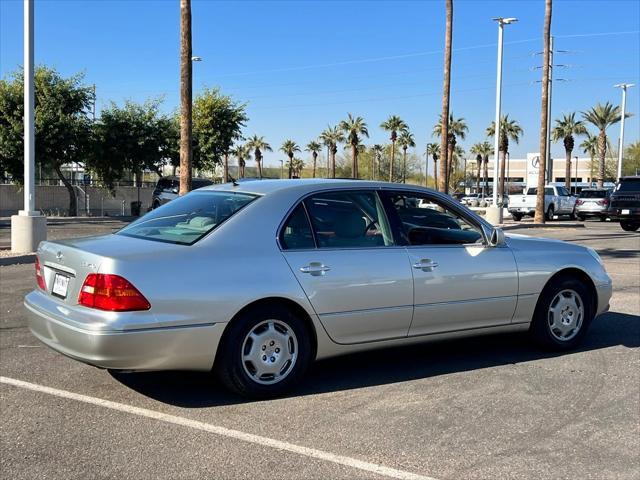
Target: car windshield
<point>593,194</point>
<point>187,219</point>
<point>629,185</point>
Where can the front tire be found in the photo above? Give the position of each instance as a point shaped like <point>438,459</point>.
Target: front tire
<point>563,314</point>
<point>629,226</point>
<point>264,353</point>
<point>550,213</point>
<point>516,217</point>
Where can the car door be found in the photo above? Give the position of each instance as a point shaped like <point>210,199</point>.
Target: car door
<point>340,247</point>
<point>460,282</point>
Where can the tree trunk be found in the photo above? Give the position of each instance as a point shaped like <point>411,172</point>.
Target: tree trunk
<point>393,154</point>
<point>185,97</point>
<point>450,147</point>
<point>435,174</point>
<point>354,156</point>
<point>333,162</point>
<point>503,168</point>
<point>404,165</point>
<point>486,176</point>
<point>426,172</point>
<point>225,173</point>
<point>446,89</point>
<point>315,157</point>
<point>602,152</point>
<point>540,212</point>
<point>328,161</point>
<point>291,166</point>
<point>73,201</point>
<point>259,163</point>
<point>479,173</point>
<point>567,170</point>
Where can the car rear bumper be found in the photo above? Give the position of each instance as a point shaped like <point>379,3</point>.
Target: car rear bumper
<point>191,347</point>
<point>624,213</point>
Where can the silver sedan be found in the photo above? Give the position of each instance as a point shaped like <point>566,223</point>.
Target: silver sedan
<point>254,281</point>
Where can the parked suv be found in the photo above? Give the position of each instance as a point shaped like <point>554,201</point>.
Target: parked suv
<point>625,203</point>
<point>167,189</point>
<point>593,202</point>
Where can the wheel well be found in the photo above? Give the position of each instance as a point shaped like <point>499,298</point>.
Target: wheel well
<point>583,277</point>
<point>292,306</point>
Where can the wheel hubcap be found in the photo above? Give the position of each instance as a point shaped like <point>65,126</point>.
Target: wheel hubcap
<point>565,316</point>
<point>269,352</point>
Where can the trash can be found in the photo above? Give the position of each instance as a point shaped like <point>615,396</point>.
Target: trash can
<point>135,208</point>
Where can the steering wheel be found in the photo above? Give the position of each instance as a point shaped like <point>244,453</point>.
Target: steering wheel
<point>372,223</point>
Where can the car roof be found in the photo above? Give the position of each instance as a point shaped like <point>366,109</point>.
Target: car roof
<point>263,187</point>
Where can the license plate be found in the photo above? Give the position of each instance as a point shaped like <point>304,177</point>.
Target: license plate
<point>60,285</point>
<point>625,212</point>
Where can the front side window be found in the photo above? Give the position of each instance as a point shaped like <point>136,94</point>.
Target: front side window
<point>425,221</point>
<point>349,220</point>
<point>187,219</point>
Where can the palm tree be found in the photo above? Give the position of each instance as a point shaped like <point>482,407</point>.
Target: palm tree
<point>405,140</point>
<point>242,153</point>
<point>393,124</point>
<point>509,130</point>
<point>377,150</point>
<point>314,147</point>
<point>289,148</point>
<point>590,147</point>
<point>331,137</point>
<point>446,90</point>
<point>295,166</point>
<point>258,145</point>
<point>484,150</point>
<point>566,127</point>
<point>456,129</point>
<point>433,149</point>
<point>544,112</point>
<point>602,117</point>
<point>476,149</point>
<point>353,127</point>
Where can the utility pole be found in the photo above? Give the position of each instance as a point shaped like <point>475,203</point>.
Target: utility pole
<point>186,80</point>
<point>549,160</point>
<point>29,227</point>
<point>624,87</point>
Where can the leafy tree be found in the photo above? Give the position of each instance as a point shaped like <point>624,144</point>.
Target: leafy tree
<point>217,123</point>
<point>134,137</point>
<point>395,125</point>
<point>602,117</point>
<point>313,147</point>
<point>565,128</point>
<point>258,145</point>
<point>62,127</point>
<point>354,128</point>
<point>405,141</point>
<point>331,137</point>
<point>631,164</point>
<point>290,148</point>
<point>509,130</point>
<point>433,149</point>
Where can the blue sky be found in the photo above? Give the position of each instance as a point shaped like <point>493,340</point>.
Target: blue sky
<point>301,65</point>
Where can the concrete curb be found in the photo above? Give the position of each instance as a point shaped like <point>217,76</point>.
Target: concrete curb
<point>516,226</point>
<point>18,260</point>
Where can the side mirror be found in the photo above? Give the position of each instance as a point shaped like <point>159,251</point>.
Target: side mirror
<point>497,238</point>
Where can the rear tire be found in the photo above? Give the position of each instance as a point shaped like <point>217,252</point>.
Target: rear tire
<point>582,218</point>
<point>264,339</point>
<point>516,217</point>
<point>563,314</point>
<point>628,226</point>
<point>550,213</point>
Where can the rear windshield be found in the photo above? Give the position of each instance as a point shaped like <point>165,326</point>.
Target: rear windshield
<point>187,219</point>
<point>534,191</point>
<point>593,194</point>
<point>629,185</point>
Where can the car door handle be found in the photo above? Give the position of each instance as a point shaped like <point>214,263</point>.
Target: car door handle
<point>315,268</point>
<point>426,265</point>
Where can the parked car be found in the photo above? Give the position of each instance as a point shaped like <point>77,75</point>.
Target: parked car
<point>468,198</point>
<point>557,201</point>
<point>267,276</point>
<point>167,189</point>
<point>625,203</point>
<point>593,202</point>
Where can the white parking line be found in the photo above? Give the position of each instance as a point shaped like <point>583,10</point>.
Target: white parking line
<point>222,431</point>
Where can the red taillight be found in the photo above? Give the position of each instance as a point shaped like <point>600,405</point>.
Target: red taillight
<point>605,201</point>
<point>112,293</point>
<point>579,202</point>
<point>39,276</point>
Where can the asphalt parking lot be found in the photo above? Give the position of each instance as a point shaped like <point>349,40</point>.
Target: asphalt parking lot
<point>491,407</point>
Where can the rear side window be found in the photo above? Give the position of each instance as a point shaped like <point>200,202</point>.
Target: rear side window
<point>594,194</point>
<point>187,219</point>
<point>296,233</point>
<point>349,220</point>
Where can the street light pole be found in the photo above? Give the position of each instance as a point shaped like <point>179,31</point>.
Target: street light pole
<point>624,87</point>
<point>576,182</point>
<point>28,228</point>
<point>495,211</point>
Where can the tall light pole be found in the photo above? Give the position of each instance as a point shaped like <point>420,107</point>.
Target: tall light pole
<point>495,211</point>
<point>28,228</point>
<point>576,182</point>
<point>624,87</point>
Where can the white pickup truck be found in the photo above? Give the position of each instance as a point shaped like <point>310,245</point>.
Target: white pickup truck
<point>557,201</point>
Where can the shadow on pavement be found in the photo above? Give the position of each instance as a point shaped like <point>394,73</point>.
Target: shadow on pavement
<point>386,366</point>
